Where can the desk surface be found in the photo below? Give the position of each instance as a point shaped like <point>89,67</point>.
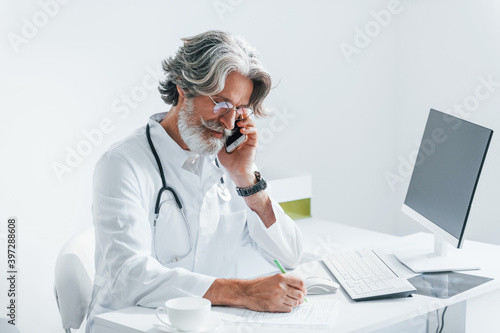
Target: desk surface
<point>321,237</point>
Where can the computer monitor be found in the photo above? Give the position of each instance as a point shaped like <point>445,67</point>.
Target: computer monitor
<point>442,186</point>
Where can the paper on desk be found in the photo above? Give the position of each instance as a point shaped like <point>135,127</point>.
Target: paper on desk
<point>317,313</point>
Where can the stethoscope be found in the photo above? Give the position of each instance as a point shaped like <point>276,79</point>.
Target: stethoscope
<point>222,190</point>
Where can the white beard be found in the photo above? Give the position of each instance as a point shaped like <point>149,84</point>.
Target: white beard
<point>197,134</point>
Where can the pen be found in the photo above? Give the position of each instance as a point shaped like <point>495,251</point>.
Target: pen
<point>282,269</point>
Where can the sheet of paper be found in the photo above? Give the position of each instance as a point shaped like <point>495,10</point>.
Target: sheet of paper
<point>318,313</point>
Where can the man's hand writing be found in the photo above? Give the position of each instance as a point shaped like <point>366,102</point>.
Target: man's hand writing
<point>276,293</point>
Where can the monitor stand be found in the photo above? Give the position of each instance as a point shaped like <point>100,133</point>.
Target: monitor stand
<point>438,261</point>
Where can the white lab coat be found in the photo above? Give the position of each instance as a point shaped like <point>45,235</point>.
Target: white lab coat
<point>229,240</point>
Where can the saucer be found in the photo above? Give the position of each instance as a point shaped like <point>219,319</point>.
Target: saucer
<point>212,325</point>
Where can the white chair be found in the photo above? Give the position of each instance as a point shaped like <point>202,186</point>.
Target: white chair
<point>74,276</point>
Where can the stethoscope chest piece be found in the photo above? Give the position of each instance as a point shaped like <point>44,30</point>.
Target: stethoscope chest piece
<point>223,192</point>
<point>222,189</point>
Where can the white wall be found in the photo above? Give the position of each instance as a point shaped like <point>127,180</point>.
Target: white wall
<point>345,122</point>
<point>444,53</point>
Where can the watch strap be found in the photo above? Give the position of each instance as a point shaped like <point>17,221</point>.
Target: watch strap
<point>259,186</point>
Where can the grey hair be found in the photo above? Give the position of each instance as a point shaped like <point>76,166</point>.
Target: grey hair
<point>202,64</point>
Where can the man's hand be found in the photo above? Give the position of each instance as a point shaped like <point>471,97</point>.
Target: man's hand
<point>240,162</point>
<point>277,293</point>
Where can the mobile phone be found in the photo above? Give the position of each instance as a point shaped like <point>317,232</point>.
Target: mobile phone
<point>235,139</point>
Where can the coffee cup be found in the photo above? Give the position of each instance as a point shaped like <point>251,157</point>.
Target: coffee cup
<point>185,313</point>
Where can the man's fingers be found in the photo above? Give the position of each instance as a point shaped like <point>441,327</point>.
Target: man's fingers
<point>296,290</point>
<point>245,122</point>
<point>287,306</point>
<point>293,301</point>
<point>297,295</point>
<point>247,126</point>
<point>296,283</point>
<point>248,130</point>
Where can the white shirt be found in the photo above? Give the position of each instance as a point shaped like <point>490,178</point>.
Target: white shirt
<point>228,239</point>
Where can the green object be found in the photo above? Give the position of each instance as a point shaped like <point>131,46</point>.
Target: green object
<point>283,271</point>
<point>297,209</point>
<point>279,266</point>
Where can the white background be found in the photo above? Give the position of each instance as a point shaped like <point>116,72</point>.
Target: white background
<point>346,120</point>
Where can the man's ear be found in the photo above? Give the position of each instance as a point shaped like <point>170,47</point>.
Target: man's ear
<point>180,91</point>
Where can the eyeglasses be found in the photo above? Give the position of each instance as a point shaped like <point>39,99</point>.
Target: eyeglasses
<point>223,108</point>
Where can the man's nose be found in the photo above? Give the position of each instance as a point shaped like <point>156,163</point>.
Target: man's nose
<point>229,119</point>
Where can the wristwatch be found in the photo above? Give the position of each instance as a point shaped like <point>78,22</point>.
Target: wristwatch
<point>248,191</point>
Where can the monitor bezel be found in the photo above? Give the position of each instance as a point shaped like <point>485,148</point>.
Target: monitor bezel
<point>431,226</point>
<point>434,228</point>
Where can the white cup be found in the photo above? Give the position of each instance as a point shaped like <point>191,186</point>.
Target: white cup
<point>186,313</point>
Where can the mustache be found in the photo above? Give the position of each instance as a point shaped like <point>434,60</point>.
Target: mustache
<point>214,125</point>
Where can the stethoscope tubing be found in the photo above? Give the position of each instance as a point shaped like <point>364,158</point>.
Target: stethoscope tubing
<point>178,202</point>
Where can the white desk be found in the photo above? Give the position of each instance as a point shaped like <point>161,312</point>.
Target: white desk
<point>321,237</point>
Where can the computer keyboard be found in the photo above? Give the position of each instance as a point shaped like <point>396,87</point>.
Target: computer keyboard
<point>364,275</point>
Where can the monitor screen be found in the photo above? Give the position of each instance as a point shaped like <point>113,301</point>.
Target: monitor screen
<point>447,170</point>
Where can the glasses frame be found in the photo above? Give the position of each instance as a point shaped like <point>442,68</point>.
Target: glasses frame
<point>229,107</point>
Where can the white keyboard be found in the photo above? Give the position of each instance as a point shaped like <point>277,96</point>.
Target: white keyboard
<point>364,275</point>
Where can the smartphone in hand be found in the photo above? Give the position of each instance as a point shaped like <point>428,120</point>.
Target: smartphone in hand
<point>236,139</point>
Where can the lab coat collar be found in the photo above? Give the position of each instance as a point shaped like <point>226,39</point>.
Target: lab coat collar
<point>163,142</point>
<point>187,160</point>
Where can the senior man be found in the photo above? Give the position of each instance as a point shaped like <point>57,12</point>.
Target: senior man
<point>175,214</point>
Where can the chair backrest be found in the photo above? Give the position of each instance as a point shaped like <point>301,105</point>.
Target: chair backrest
<point>74,275</point>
